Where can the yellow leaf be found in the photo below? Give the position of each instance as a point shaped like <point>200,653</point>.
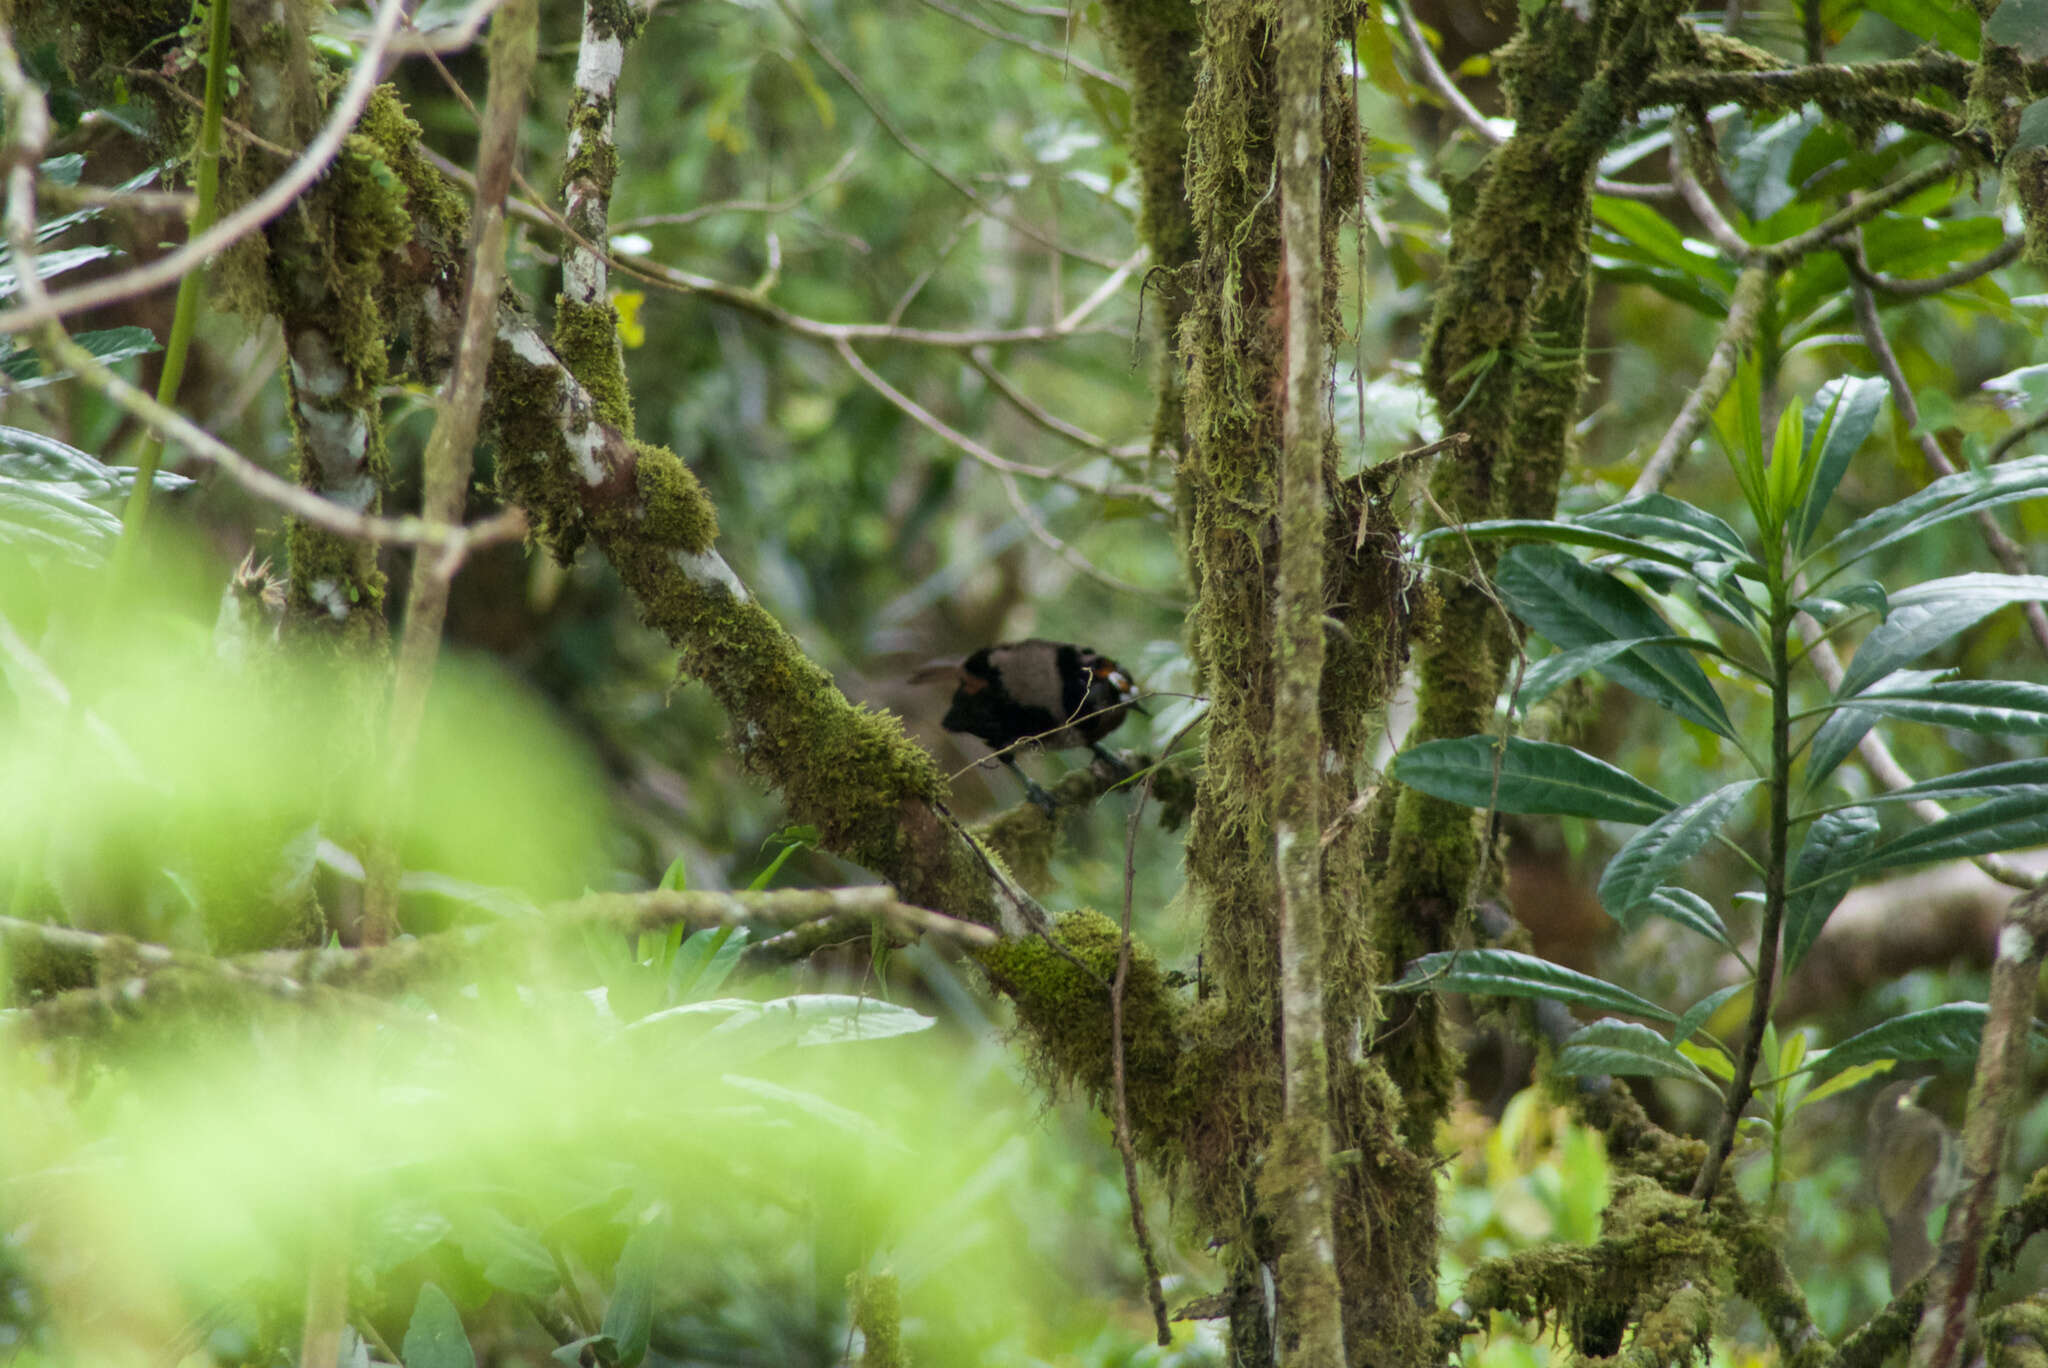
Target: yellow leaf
<point>628,303</point>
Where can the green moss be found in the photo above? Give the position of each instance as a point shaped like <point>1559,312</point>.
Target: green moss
<point>587,340</point>
<point>438,212</point>
<point>616,19</point>
<point>1060,985</point>
<point>596,158</point>
<point>678,511</point>
<point>878,1311</point>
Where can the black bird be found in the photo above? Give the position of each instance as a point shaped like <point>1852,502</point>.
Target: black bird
<point>1049,694</point>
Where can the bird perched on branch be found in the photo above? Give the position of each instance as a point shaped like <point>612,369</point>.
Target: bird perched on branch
<point>1049,694</point>
<point>1912,1158</point>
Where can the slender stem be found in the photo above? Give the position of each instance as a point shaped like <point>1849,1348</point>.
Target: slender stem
<point>1155,1293</point>
<point>192,289</point>
<point>451,447</point>
<point>1740,1087</point>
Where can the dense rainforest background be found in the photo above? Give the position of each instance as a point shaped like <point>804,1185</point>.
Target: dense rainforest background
<point>478,479</point>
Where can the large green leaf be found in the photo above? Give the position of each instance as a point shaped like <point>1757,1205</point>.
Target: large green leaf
<point>1841,415</point>
<point>1509,973</point>
<point>1997,706</point>
<point>1641,233</point>
<point>1844,728</point>
<point>2007,823</point>
<point>1986,781</point>
<point>1637,870</point>
<point>1627,1048</point>
<point>1659,517</point>
<point>1951,28</point>
<point>1688,909</point>
<point>1562,533</point>
<point>1821,873</point>
<point>1579,605</point>
<point>435,1338</point>
<point>1927,615</point>
<point>1948,1032</point>
<point>1534,777</point>
<point>629,1318</point>
<point>1951,496</point>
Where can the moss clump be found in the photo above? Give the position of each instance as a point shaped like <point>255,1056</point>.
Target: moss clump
<point>533,468</point>
<point>616,19</point>
<point>587,340</point>
<point>677,511</point>
<point>878,1311</point>
<point>1060,984</point>
<point>596,158</point>
<point>437,212</point>
<point>333,578</point>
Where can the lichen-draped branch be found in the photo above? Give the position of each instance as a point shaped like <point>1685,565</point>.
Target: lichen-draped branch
<point>450,455</point>
<point>1298,1178</point>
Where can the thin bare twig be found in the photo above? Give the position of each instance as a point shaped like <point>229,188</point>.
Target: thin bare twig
<point>450,452</point>
<point>1885,768</point>
<point>918,151</point>
<point>1998,1093</point>
<point>2006,551</point>
<point>704,211</point>
<point>273,200</point>
<point>1724,233</point>
<point>1121,1119</point>
<point>1032,409</point>
<point>1860,211</point>
<point>983,454</point>
<point>1737,332</point>
<point>1045,50</point>
<point>1437,79</point>
<point>663,276</point>
<point>1920,287</point>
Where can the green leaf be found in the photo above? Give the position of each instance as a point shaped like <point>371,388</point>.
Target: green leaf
<point>509,1255</point>
<point>1640,867</point>
<point>1844,728</point>
<point>676,878</point>
<point>793,839</point>
<point>1559,533</point>
<point>1688,909</point>
<point>1702,1011</point>
<point>1949,27</point>
<point>2002,824</point>
<point>1996,706</point>
<point>1561,667</point>
<point>435,1338</point>
<point>1629,1049</point>
<point>1927,615</point>
<point>1986,781</point>
<point>50,264</point>
<point>629,1319</point>
<point>1842,415</point>
<point>1578,605</point>
<point>1640,233</point>
<point>1834,848</point>
<point>1509,973</point>
<point>800,1019</point>
<point>1535,777</point>
<point>703,962</point>
<point>1951,496</point>
<point>1864,596</point>
<point>2022,24</point>
<point>1846,1079</point>
<point>2033,129</point>
<point>1948,1032</point>
<point>1659,517</point>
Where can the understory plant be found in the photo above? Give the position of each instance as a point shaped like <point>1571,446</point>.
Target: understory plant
<point>1777,604</point>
